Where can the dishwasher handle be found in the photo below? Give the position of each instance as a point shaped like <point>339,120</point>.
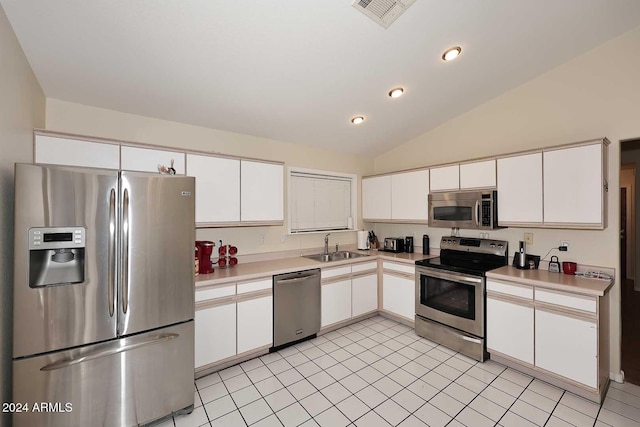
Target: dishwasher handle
<point>296,279</point>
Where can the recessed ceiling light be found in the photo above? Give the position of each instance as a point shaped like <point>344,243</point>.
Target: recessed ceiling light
<point>357,120</point>
<point>452,53</point>
<point>396,92</point>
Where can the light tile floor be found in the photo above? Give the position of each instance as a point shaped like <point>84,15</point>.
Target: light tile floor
<point>378,373</point>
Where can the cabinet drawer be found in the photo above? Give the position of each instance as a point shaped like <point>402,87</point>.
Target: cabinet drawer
<point>326,273</point>
<point>356,268</point>
<point>217,292</point>
<point>578,302</point>
<point>514,289</point>
<point>402,268</point>
<point>255,285</point>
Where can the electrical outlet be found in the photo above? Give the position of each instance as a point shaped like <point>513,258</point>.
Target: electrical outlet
<point>283,238</point>
<point>564,243</point>
<point>528,238</point>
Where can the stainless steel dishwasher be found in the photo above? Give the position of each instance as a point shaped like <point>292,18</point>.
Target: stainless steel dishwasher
<point>296,306</point>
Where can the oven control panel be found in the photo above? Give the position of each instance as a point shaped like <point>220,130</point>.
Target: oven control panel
<point>470,244</point>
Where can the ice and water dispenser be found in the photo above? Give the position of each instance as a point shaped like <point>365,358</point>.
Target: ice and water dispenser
<point>56,256</point>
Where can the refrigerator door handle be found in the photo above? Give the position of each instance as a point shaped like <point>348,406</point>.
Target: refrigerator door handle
<point>112,251</point>
<point>64,363</point>
<point>125,251</point>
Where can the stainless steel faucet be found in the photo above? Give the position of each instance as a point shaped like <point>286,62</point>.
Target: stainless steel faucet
<point>326,244</point>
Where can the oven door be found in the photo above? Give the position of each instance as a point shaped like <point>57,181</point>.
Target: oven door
<point>462,213</point>
<point>453,299</point>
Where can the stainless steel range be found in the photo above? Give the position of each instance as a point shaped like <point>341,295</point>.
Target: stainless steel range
<point>451,293</point>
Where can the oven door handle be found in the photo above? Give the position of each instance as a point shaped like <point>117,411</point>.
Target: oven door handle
<point>478,213</point>
<point>451,277</point>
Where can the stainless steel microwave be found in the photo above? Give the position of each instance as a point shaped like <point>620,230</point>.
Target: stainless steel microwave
<point>464,209</point>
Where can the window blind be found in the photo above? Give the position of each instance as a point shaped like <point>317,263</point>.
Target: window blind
<point>319,202</point>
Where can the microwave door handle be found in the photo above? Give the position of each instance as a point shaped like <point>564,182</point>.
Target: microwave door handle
<point>478,213</point>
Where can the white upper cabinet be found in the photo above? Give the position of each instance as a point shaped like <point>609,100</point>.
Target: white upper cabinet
<point>74,152</point>
<point>217,188</point>
<point>261,191</point>
<point>445,178</point>
<point>376,197</point>
<point>409,195</point>
<point>573,186</point>
<point>478,175</point>
<point>150,159</point>
<point>520,189</point>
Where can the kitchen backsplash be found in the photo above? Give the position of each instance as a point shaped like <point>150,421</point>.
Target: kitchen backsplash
<point>582,247</point>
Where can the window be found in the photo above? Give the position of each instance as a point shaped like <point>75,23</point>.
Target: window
<point>321,201</point>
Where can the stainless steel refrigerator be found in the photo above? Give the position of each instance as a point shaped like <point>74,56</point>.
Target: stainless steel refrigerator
<point>103,329</point>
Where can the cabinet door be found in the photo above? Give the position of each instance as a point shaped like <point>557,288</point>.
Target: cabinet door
<point>336,302</point>
<point>573,185</point>
<point>478,175</point>
<point>255,323</point>
<point>364,294</point>
<point>73,152</point>
<point>445,178</point>
<point>217,188</point>
<point>215,334</point>
<point>261,191</point>
<point>567,346</point>
<point>398,295</point>
<point>510,329</point>
<point>520,189</point>
<point>148,159</point>
<point>409,195</point>
<point>376,197</point>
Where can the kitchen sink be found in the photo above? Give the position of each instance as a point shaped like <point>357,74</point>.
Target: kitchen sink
<point>335,256</point>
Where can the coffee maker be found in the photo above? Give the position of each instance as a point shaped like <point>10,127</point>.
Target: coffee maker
<point>204,250</point>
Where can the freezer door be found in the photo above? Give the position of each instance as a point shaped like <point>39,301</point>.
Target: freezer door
<point>157,248</point>
<point>64,295</point>
<point>124,382</point>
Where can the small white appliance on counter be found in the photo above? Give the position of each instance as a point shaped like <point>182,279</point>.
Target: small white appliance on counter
<point>103,296</point>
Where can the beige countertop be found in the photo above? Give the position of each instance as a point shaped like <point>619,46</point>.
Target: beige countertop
<point>260,269</point>
<point>557,281</point>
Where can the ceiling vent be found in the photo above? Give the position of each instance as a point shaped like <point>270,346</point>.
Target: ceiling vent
<point>384,12</point>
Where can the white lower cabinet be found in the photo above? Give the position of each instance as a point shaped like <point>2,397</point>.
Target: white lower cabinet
<point>510,328</point>
<point>567,346</point>
<point>364,294</point>
<point>255,323</point>
<point>215,333</point>
<point>398,295</point>
<point>336,302</point>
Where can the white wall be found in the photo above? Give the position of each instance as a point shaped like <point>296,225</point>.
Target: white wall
<point>594,95</point>
<point>85,120</point>
<point>22,107</point>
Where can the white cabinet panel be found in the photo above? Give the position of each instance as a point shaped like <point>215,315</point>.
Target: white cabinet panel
<point>579,302</point>
<point>261,191</point>
<point>402,268</point>
<point>445,178</point>
<point>398,295</point>
<point>567,346</point>
<point>510,329</point>
<point>520,189</point>
<point>215,292</point>
<point>478,175</point>
<point>215,334</point>
<point>517,290</point>
<point>327,273</point>
<point>336,302</point>
<point>148,159</point>
<point>217,188</point>
<point>376,197</point>
<point>364,293</point>
<point>573,185</point>
<point>255,323</point>
<point>409,194</point>
<point>73,152</point>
